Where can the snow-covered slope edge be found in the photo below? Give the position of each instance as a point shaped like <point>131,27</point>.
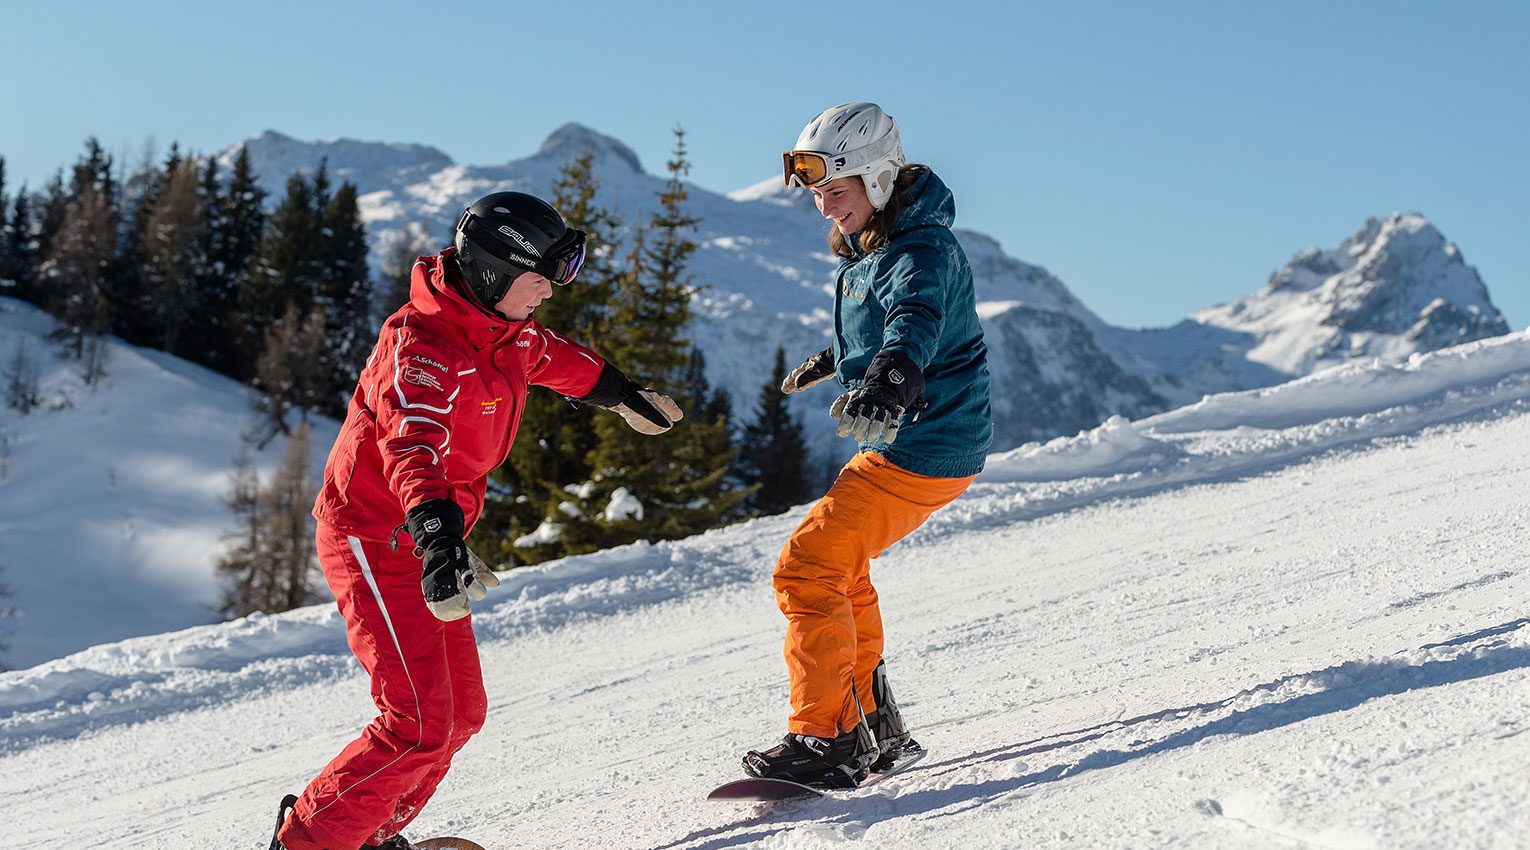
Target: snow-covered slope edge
<point>111,498</point>
<point>1221,438</point>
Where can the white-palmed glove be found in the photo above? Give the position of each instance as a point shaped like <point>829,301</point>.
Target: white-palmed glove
<point>450,574</point>
<point>813,371</point>
<point>646,411</point>
<point>483,578</point>
<point>873,412</point>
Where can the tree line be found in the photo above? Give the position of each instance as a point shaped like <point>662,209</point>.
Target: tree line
<point>183,258</point>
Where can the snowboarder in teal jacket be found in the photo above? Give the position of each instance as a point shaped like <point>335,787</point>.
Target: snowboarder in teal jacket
<point>909,349</point>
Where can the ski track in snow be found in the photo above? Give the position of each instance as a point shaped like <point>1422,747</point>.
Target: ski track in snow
<point>1288,618</point>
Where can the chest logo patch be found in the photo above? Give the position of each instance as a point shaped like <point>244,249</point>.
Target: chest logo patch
<point>489,408</point>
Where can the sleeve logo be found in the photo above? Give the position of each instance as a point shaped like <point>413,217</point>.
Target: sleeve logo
<point>421,378</point>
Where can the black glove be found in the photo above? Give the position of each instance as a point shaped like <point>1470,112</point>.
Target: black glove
<point>814,370</point>
<point>646,411</point>
<point>449,571</point>
<point>871,412</point>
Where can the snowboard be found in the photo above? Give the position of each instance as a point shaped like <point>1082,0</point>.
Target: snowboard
<point>447,843</point>
<point>756,790</point>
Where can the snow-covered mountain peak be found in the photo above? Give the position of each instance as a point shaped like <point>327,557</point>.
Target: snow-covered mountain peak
<point>573,139</point>
<point>1394,287</point>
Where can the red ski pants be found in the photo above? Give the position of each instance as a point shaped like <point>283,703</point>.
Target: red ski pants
<point>823,585</point>
<point>429,693</point>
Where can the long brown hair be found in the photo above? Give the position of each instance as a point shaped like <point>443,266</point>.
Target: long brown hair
<point>879,227</point>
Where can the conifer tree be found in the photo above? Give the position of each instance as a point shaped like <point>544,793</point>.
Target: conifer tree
<point>345,296</point>
<point>242,210</point>
<point>773,454</point>
<point>134,309</point>
<point>18,257</point>
<point>206,336</point>
<point>236,223</point>
<point>5,235</point>
<point>54,207</point>
<point>285,267</point>
<point>552,447</point>
<point>270,568</point>
<point>174,256</point>
<point>681,477</point>
<point>78,267</point>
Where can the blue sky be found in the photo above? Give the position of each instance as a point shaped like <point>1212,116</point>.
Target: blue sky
<point>1156,157</point>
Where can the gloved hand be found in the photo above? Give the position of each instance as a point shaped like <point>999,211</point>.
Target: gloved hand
<point>871,412</point>
<point>646,411</point>
<point>451,573</point>
<point>814,370</point>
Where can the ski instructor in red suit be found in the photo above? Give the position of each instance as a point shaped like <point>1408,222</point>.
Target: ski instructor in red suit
<point>435,411</point>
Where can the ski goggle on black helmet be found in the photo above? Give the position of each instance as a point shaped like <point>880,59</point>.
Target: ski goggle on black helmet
<point>506,234</point>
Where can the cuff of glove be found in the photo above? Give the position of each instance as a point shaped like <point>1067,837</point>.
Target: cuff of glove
<point>436,519</point>
<point>609,388</point>
<point>897,374</point>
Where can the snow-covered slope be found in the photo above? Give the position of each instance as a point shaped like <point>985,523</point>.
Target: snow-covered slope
<point>1395,288</point>
<point>1289,617</point>
<point>112,496</point>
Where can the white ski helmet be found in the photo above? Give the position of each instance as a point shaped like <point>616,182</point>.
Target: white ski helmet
<point>847,140</point>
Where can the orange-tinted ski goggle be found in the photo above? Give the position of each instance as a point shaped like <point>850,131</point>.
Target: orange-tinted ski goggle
<point>808,168</point>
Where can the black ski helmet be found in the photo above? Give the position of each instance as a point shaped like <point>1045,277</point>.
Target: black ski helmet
<point>506,234</point>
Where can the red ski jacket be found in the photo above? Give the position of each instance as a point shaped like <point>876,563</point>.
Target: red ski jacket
<point>437,406</point>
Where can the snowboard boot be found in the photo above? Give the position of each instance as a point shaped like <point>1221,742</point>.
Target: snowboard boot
<point>887,723</point>
<point>840,762</point>
<point>281,818</point>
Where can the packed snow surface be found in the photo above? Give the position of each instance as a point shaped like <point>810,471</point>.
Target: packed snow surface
<point>1287,618</point>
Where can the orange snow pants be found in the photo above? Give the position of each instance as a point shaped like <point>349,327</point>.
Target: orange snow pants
<point>823,585</point>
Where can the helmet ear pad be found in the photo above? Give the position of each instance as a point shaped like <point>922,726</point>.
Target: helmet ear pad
<point>484,276</point>
<point>879,185</point>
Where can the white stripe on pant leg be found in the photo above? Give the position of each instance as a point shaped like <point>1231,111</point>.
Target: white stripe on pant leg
<point>366,573</point>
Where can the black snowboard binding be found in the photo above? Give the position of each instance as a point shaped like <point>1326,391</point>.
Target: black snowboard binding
<point>886,722</point>
<point>840,762</point>
<point>288,802</point>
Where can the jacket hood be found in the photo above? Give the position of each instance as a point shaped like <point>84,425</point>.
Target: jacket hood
<point>926,203</point>
<point>432,293</point>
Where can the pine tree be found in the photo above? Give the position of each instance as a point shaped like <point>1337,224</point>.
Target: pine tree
<point>236,223</point>
<point>345,296</point>
<point>285,267</point>
<point>78,267</point>
<point>555,438</point>
<point>21,249</point>
<point>6,240</point>
<point>271,566</point>
<point>174,256</point>
<point>135,313</point>
<point>773,455</point>
<point>680,478</point>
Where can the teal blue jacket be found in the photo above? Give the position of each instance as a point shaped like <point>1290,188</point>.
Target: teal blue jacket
<point>914,295</point>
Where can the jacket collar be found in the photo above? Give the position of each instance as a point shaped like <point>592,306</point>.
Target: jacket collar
<point>434,290</point>
<point>926,203</point>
